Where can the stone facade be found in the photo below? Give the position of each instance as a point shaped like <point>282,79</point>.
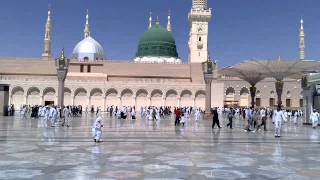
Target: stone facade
<point>130,84</point>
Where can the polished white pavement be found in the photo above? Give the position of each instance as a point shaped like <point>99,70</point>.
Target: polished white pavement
<point>146,150</point>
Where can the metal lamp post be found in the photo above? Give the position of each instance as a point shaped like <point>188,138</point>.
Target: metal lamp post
<point>62,66</point>
<point>207,68</point>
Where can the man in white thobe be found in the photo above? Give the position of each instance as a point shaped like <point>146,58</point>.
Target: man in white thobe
<point>314,117</point>
<point>278,117</point>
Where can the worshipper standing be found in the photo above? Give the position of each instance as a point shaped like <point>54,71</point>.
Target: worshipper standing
<point>67,116</point>
<point>263,117</point>
<point>98,110</point>
<point>197,115</point>
<point>314,117</point>
<point>86,110</point>
<point>111,111</point>
<point>278,117</point>
<point>249,116</point>
<point>295,117</point>
<point>54,116</point>
<point>215,118</point>
<point>24,112</point>
<point>47,115</point>
<point>158,117</point>
<point>230,117</point>
<point>177,112</point>
<point>133,113</point>
<point>9,110</point>
<point>97,129</point>
<point>183,119</point>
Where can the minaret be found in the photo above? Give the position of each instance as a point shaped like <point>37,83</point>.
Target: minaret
<point>46,55</point>
<point>150,20</point>
<point>199,18</point>
<point>169,22</point>
<point>87,26</point>
<point>200,4</point>
<point>157,21</point>
<point>301,43</point>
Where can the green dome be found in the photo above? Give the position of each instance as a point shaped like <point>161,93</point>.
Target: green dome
<point>157,41</point>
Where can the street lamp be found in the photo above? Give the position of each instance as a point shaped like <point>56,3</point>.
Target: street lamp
<point>62,66</point>
<point>207,68</point>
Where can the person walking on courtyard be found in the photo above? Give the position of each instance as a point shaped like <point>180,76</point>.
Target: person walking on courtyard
<point>249,116</point>
<point>197,115</point>
<point>177,112</point>
<point>263,117</point>
<point>230,117</point>
<point>133,113</point>
<point>24,112</point>
<point>278,117</point>
<point>215,118</point>
<point>97,129</point>
<point>66,114</point>
<point>183,119</point>
<point>314,117</point>
<point>111,111</point>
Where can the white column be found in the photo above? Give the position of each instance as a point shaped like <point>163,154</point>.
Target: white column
<point>179,100</point>
<point>89,101</point>
<point>163,101</point>
<point>104,103</point>
<point>120,101</point>
<point>134,103</point>
<point>149,99</point>
<point>193,102</point>
<point>56,101</point>
<point>41,100</point>
<point>10,97</point>
<point>25,99</point>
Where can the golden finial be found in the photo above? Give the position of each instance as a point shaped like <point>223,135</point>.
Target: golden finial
<point>169,21</point>
<point>62,54</point>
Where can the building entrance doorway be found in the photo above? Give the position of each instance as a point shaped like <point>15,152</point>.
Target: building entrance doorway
<point>47,103</point>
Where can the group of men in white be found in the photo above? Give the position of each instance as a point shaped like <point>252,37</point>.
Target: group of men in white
<point>50,116</point>
<point>257,117</point>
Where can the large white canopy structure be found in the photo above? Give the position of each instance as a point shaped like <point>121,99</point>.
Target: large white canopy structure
<point>254,71</point>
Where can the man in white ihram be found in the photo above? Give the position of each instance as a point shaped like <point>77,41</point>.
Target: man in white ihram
<point>97,129</point>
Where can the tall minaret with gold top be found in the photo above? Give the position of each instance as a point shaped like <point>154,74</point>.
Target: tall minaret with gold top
<point>199,18</point>
<point>302,45</point>
<point>46,55</point>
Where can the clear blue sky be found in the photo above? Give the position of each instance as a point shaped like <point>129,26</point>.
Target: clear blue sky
<point>239,30</point>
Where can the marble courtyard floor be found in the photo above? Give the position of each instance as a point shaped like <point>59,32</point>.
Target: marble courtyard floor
<point>143,150</point>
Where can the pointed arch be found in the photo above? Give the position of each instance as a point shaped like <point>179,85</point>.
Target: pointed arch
<point>17,96</point>
<point>186,98</point>
<point>200,99</point>
<point>112,97</point>
<point>157,98</point>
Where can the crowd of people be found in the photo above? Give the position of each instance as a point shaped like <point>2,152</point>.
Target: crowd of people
<point>255,119</point>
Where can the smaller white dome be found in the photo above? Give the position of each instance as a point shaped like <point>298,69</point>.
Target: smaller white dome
<point>88,49</point>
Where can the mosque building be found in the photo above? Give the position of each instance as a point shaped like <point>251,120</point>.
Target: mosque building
<point>156,76</point>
